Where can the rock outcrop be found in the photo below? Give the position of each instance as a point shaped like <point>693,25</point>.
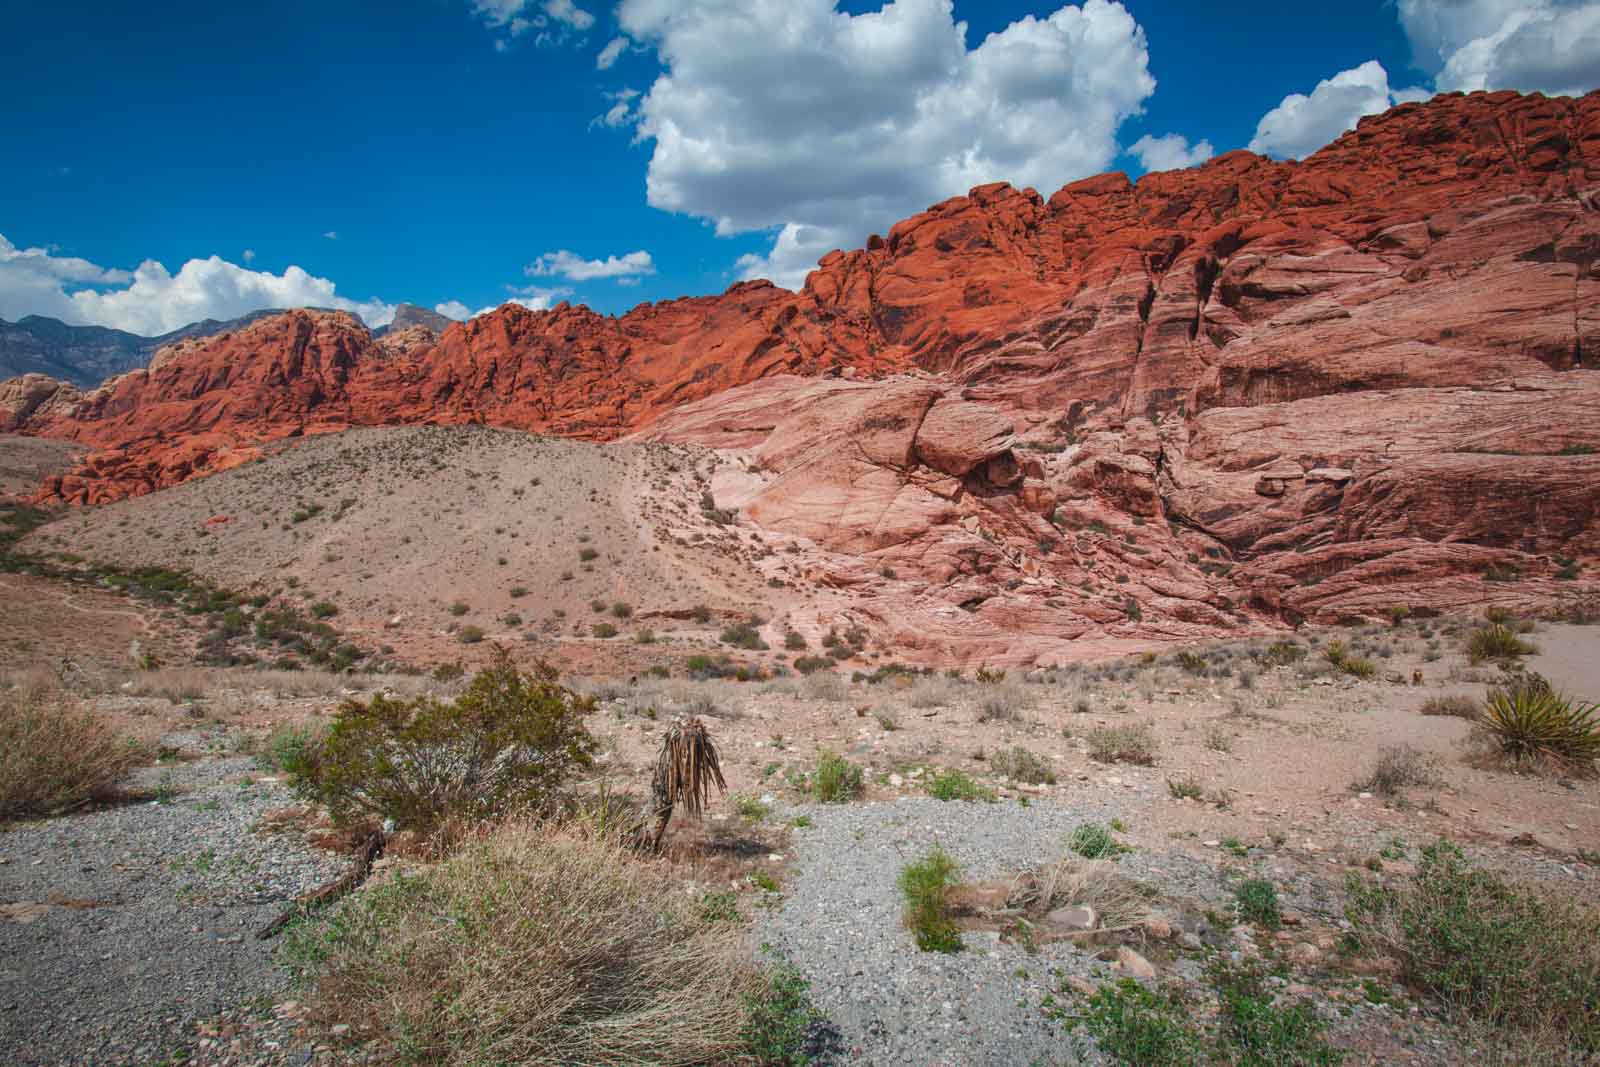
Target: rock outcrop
<point>1217,397</point>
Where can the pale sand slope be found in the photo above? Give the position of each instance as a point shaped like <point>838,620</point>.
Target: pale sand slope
<point>26,461</point>
<point>414,520</point>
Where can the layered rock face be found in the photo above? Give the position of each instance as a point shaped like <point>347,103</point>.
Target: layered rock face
<point>1219,397</point>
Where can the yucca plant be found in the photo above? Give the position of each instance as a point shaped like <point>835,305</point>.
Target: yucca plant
<point>686,769</point>
<point>1497,641</point>
<point>1530,721</point>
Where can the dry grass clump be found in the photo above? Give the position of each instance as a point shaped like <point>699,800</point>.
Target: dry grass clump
<point>1021,765</point>
<point>57,754</point>
<point>1454,705</point>
<point>1133,743</point>
<point>1396,768</point>
<point>1003,702</point>
<point>534,944</point>
<point>934,691</point>
<point>826,685</point>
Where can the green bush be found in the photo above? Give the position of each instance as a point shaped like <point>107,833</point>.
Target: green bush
<point>778,1016</point>
<point>836,779</point>
<point>1282,654</point>
<point>1094,841</point>
<point>292,749</point>
<point>794,641</point>
<point>925,886</point>
<point>512,739</point>
<point>811,664</point>
<point>587,554</point>
<point>1257,902</point>
<point>1487,949</point>
<point>604,630</point>
<point>950,784</point>
<point>470,635</point>
<point>742,635</point>
<point>1498,642</point>
<point>324,609</point>
<point>1256,1031</point>
<point>622,609</point>
<point>1134,1025</point>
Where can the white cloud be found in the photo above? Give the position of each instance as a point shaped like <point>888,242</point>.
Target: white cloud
<point>610,53</point>
<point>151,300</point>
<point>454,309</point>
<point>620,112</point>
<point>1170,151</point>
<point>550,21</point>
<point>1302,124</point>
<point>1549,46</point>
<point>249,255</point>
<point>571,265</point>
<point>332,235</point>
<point>795,116</point>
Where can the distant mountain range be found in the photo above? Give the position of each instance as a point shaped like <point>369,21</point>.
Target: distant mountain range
<point>88,355</point>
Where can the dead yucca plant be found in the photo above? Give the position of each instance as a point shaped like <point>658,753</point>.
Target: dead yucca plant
<point>686,769</point>
<point>56,754</point>
<point>1528,722</point>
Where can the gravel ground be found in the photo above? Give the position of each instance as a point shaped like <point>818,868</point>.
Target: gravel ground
<point>121,928</point>
<point>841,926</point>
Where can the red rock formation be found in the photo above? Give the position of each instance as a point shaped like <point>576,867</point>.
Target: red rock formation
<point>1212,367</point>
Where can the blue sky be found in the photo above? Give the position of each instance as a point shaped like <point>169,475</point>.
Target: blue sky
<point>447,152</point>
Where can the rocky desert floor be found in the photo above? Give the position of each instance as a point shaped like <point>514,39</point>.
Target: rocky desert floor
<point>128,931</point>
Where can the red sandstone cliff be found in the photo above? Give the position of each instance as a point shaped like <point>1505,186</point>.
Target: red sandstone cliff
<point>1376,357</point>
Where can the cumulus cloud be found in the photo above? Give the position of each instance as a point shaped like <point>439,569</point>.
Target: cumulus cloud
<point>1302,124</point>
<point>454,309</point>
<point>1170,151</point>
<point>571,265</point>
<point>151,300</point>
<point>794,116</point>
<point>1550,46</point>
<point>610,53</point>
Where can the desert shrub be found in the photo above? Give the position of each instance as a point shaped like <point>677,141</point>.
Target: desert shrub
<point>1256,1030</point>
<point>1343,660</point>
<point>952,784</point>
<point>781,1022</point>
<point>588,554</point>
<point>1135,1025</point>
<point>925,887</point>
<point>1192,662</point>
<point>324,609</point>
<point>811,664</point>
<point>836,779</point>
<point>622,609</point>
<point>1123,744</point>
<point>1498,642</point>
<point>932,692</point>
<point>603,630</point>
<point>56,754</point>
<point>291,749</point>
<point>1185,789</point>
<point>469,635</point>
<point>1002,703</point>
<point>1397,767</point>
<point>1020,765</point>
<point>1282,654</point>
<point>449,672</point>
<point>1527,722</point>
<point>1094,841</point>
<point>1256,900</point>
<point>533,945</point>
<point>1454,705</point>
<point>826,685</point>
<point>513,738</point>
<point>794,641</point>
<point>1487,949</point>
<point>459,609</point>
<point>742,635</point>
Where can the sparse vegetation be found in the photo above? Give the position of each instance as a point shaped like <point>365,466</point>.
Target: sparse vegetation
<point>1454,706</point>
<point>1496,642</point>
<point>1133,743</point>
<point>1487,949</point>
<point>836,779</point>
<point>1020,765</point>
<point>925,887</point>
<point>1095,841</point>
<point>1397,768</point>
<point>56,755</point>
<point>512,739</point>
<point>951,784</point>
<point>535,945</point>
<point>1256,901</point>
